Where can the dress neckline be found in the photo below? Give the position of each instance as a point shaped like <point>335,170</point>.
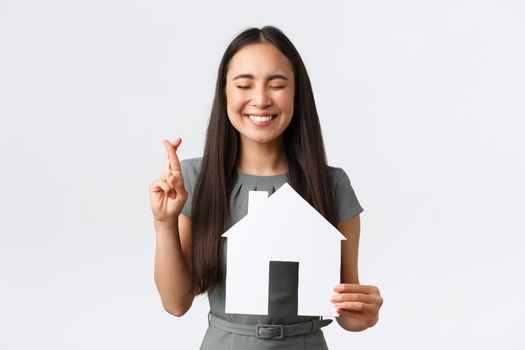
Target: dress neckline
<point>260,176</point>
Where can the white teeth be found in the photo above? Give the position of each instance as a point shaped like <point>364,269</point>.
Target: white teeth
<point>260,118</point>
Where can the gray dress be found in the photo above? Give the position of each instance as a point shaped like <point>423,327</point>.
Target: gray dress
<point>282,303</point>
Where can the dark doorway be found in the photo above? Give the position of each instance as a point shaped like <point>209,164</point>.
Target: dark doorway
<point>282,297</point>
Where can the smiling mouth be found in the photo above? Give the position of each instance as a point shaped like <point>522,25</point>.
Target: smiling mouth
<point>261,119</point>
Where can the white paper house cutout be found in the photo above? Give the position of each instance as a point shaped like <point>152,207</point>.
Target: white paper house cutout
<point>282,227</point>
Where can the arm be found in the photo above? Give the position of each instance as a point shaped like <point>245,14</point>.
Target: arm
<point>357,305</point>
<point>173,270</point>
<point>173,265</point>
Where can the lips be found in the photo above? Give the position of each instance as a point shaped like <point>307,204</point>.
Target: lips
<point>261,119</point>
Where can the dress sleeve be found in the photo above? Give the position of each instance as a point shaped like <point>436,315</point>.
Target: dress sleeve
<point>347,205</point>
<point>189,175</point>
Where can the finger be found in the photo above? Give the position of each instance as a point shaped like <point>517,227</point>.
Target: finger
<point>174,178</point>
<point>167,164</point>
<point>171,193</point>
<point>353,314</point>
<point>363,298</point>
<point>177,182</point>
<point>356,288</point>
<point>176,144</point>
<point>356,306</point>
<point>171,178</point>
<point>171,149</point>
<point>168,190</point>
<point>160,185</point>
<point>171,153</point>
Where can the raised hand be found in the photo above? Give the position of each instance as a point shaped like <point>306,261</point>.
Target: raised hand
<point>167,192</point>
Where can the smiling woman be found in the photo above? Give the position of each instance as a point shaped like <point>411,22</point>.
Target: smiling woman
<point>264,131</point>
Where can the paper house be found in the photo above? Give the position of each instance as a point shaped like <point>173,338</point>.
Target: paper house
<point>282,227</point>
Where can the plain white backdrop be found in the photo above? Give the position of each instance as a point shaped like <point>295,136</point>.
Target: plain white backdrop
<point>421,102</point>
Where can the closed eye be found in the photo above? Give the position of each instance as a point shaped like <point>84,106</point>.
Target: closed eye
<point>272,87</point>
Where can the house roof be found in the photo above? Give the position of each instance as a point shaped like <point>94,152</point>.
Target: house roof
<point>284,209</point>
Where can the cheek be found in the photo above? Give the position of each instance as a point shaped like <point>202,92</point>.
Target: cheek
<point>285,101</point>
<point>234,103</point>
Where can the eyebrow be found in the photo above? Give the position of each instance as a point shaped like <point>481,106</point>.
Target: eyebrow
<point>271,77</point>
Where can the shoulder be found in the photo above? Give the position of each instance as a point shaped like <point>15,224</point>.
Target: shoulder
<point>334,170</point>
<point>190,167</point>
<point>346,202</point>
<point>191,163</point>
<point>336,174</point>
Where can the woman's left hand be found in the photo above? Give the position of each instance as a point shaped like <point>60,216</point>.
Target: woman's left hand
<point>360,302</point>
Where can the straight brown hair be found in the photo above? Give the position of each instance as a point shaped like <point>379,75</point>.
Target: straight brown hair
<point>303,146</point>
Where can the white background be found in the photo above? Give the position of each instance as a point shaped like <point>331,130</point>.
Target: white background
<point>421,102</point>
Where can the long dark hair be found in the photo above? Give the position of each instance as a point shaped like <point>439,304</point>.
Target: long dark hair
<point>304,149</point>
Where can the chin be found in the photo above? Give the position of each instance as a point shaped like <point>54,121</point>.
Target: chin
<point>260,139</point>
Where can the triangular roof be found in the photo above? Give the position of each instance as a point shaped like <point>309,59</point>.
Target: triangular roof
<point>288,205</point>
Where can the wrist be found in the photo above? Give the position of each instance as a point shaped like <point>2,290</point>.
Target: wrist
<point>166,226</point>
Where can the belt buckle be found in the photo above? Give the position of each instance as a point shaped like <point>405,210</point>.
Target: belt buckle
<point>268,331</point>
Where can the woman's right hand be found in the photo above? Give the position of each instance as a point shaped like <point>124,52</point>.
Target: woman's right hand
<point>167,192</point>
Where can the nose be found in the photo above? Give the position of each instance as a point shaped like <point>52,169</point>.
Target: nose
<point>261,98</point>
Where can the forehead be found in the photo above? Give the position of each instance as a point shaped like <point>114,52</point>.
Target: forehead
<point>259,60</point>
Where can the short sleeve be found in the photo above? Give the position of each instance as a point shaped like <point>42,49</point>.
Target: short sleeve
<point>189,168</point>
<point>347,204</point>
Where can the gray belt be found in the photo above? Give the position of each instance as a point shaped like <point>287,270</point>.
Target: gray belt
<point>268,331</point>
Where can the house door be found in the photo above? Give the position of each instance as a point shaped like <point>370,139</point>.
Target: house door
<point>282,296</point>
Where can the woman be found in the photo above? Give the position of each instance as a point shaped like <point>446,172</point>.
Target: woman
<point>264,130</point>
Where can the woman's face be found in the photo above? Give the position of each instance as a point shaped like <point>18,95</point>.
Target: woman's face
<point>260,90</point>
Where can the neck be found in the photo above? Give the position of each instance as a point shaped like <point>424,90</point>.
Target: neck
<point>262,158</point>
